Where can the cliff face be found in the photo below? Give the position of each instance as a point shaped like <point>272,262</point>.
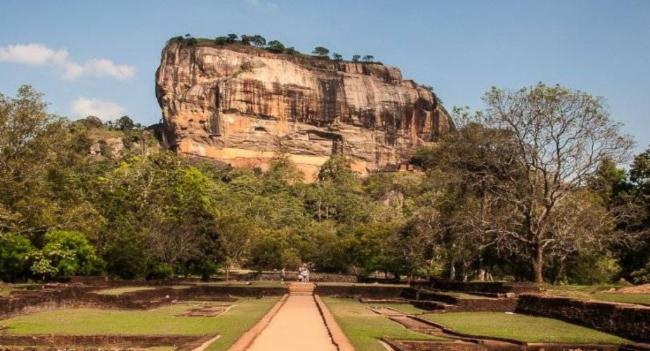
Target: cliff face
<point>243,105</point>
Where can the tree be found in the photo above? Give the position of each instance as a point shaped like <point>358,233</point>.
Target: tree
<point>368,58</point>
<point>356,58</point>
<point>561,136</point>
<point>67,253</point>
<point>125,124</point>
<point>231,38</point>
<point>275,46</point>
<point>16,252</point>
<point>321,51</point>
<point>92,122</point>
<point>258,40</point>
<point>234,234</point>
<point>338,57</point>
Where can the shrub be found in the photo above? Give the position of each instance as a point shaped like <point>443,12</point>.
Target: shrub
<point>161,271</point>
<point>16,252</point>
<point>275,46</point>
<point>593,270</point>
<point>642,276</point>
<point>67,253</point>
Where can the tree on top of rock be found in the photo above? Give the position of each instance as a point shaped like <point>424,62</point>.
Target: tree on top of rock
<point>321,51</point>
<point>275,46</point>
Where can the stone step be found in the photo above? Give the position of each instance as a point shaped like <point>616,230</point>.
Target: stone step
<point>301,289</point>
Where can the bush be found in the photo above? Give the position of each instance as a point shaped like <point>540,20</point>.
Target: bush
<point>67,253</point>
<point>16,252</point>
<point>588,270</point>
<point>161,271</point>
<point>642,276</point>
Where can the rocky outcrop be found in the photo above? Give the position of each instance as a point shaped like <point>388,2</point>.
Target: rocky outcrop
<point>243,105</point>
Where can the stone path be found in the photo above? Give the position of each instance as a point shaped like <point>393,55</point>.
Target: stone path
<point>298,326</point>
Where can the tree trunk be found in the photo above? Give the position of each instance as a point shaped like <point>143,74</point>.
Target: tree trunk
<point>560,271</point>
<point>538,263</point>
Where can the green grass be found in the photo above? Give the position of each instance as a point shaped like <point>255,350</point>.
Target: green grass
<point>6,289</point>
<point>359,284</point>
<point>124,290</point>
<point>521,327</point>
<point>464,296</point>
<point>159,321</point>
<point>596,292</point>
<point>640,299</point>
<point>405,308</point>
<point>256,283</point>
<point>364,327</point>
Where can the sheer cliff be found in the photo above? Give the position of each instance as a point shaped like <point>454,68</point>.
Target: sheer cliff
<point>243,105</point>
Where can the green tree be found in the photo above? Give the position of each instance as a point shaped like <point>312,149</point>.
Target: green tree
<point>275,46</point>
<point>321,51</point>
<point>338,57</point>
<point>561,138</point>
<point>68,253</point>
<point>15,254</point>
<point>356,58</point>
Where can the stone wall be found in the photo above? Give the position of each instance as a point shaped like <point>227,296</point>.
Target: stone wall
<point>628,321</point>
<point>488,288</point>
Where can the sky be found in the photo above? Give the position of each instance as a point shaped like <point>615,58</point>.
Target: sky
<point>100,57</point>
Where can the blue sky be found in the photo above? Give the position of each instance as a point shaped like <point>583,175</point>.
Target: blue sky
<point>102,55</point>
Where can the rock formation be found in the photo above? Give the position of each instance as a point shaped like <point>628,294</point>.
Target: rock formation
<point>243,106</point>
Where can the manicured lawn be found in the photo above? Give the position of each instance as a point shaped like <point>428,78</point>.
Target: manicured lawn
<point>360,284</point>
<point>521,327</point>
<point>642,299</point>
<point>405,308</point>
<point>597,292</point>
<point>159,321</point>
<point>257,283</point>
<point>6,289</point>
<point>464,296</point>
<point>123,290</point>
<point>364,327</point>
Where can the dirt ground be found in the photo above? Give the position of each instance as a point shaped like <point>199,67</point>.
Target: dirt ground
<point>639,289</point>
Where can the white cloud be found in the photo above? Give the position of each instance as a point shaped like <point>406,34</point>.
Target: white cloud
<point>41,55</point>
<point>32,54</point>
<point>105,110</point>
<point>261,3</point>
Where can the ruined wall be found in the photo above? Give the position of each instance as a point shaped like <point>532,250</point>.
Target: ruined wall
<point>628,321</point>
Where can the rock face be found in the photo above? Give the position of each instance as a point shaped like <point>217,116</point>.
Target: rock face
<point>243,105</point>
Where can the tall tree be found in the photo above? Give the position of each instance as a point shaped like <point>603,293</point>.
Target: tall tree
<point>561,136</point>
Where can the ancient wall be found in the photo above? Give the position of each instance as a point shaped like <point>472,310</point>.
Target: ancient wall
<point>628,321</point>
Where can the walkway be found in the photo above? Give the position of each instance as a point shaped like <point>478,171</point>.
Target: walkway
<point>298,326</point>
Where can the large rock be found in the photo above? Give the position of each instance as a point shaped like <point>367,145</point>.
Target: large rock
<point>243,105</point>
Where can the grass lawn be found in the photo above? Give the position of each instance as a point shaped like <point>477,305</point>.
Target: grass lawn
<point>256,283</point>
<point>464,296</point>
<point>597,292</point>
<point>521,327</point>
<point>405,308</point>
<point>6,289</point>
<point>159,321</point>
<point>364,327</point>
<point>124,290</point>
<point>641,299</point>
<point>359,284</point>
